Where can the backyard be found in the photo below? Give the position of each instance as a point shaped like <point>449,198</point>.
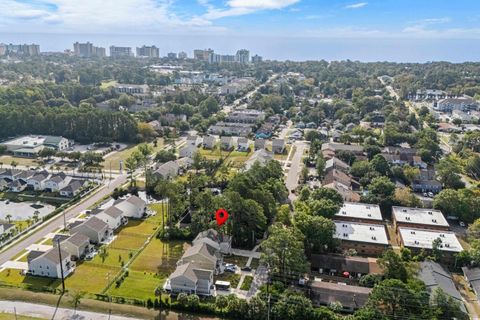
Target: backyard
<point>114,158</point>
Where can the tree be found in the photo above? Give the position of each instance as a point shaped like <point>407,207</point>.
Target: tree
<point>257,308</point>
<point>346,156</point>
<point>76,297</point>
<point>393,267</point>
<point>328,193</point>
<point>472,167</point>
<point>283,251</point>
<point>221,302</point>
<point>165,156</point>
<point>318,232</point>
<point>131,164</point>
<point>9,218</point>
<point>460,203</point>
<point>410,173</point>
<point>323,207</point>
<point>103,254</point>
<point>370,280</point>
<point>360,168</point>
<point>320,165</point>
<point>405,197</point>
<point>448,171</point>
<point>293,307</point>
<point>47,153</point>
<point>436,249</point>
<point>446,307</point>
<point>379,164</point>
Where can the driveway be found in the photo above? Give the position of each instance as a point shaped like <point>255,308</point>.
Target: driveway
<point>296,165</point>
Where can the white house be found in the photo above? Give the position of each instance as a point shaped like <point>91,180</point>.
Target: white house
<point>77,245</point>
<point>190,278</point>
<point>187,151</point>
<point>212,237</point>
<point>209,142</point>
<point>72,189</point>
<point>56,182</point>
<point>243,144</point>
<point>133,207</point>
<point>226,143</point>
<point>95,229</point>
<point>17,186</point>
<point>194,140</point>
<point>49,264</point>
<point>167,170</point>
<point>37,181</point>
<point>112,216</point>
<point>203,255</point>
<point>278,145</point>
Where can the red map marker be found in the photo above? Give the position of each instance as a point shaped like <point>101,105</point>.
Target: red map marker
<point>221,216</point>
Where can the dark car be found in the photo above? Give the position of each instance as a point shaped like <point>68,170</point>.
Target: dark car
<point>246,269</point>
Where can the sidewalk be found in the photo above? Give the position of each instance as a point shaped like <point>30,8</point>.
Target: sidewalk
<point>48,312</point>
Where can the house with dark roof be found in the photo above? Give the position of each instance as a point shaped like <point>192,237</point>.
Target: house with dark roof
<point>351,298</point>
<point>187,151</point>
<point>73,188</point>
<point>203,255</point>
<point>37,181</point>
<point>50,263</point>
<point>6,229</point>
<point>226,143</point>
<point>435,276</point>
<point>132,207</point>
<point>259,144</point>
<point>17,186</point>
<point>3,184</point>
<point>77,245</point>
<point>95,229</point>
<point>190,278</point>
<point>337,265</point>
<point>472,275</point>
<point>57,181</point>
<point>243,144</point>
<point>167,170</point>
<point>278,146</point>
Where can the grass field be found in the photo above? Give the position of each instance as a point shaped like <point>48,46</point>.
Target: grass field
<point>238,260</point>
<point>247,282</point>
<point>233,278</point>
<point>138,285</point>
<point>106,84</point>
<point>11,316</point>
<point>7,160</point>
<point>115,158</point>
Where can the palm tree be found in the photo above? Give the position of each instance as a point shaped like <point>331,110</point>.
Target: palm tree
<point>35,215</point>
<point>76,297</point>
<point>29,222</point>
<point>8,217</point>
<point>14,163</point>
<point>103,254</point>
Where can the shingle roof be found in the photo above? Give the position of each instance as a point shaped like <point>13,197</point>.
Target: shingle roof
<point>342,263</point>
<point>352,297</point>
<point>136,201</point>
<point>95,224</point>
<point>113,212</point>
<point>73,186</point>
<point>78,239</point>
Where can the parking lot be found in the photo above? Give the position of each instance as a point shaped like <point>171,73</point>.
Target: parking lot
<point>20,211</point>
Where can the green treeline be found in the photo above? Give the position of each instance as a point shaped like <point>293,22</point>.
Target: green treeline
<point>83,124</point>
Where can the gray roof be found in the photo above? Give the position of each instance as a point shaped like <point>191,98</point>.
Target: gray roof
<point>58,177</point>
<point>95,224</point>
<point>352,297</point>
<point>113,212</point>
<point>260,142</point>
<point>59,237</point>
<point>226,139</point>
<point>40,176</point>
<point>473,276</point>
<point>25,174</point>
<point>78,239</point>
<point>7,226</point>
<point>203,249</point>
<point>190,271</point>
<point>53,255</point>
<point>242,140</point>
<point>136,201</point>
<point>73,186</point>
<point>435,276</point>
<point>278,142</point>
<point>34,254</point>
<point>209,139</point>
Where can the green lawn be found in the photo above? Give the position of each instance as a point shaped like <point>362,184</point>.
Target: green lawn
<point>233,278</point>
<point>90,277</point>
<point>14,277</point>
<point>138,285</point>
<point>254,264</point>
<point>7,160</point>
<point>238,260</point>
<point>115,158</point>
<point>106,84</point>
<point>247,282</point>
<point>11,316</point>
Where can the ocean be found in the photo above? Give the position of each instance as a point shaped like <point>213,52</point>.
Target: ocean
<point>275,48</point>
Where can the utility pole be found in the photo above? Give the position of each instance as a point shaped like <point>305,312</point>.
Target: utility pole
<point>15,312</point>
<point>61,265</point>
<point>64,221</point>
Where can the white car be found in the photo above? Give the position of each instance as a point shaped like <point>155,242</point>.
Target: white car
<point>462,224</point>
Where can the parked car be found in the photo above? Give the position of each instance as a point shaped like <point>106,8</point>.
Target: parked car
<point>246,269</point>
<point>462,224</point>
<point>431,195</point>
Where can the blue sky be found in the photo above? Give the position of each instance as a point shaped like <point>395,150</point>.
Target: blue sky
<point>281,18</point>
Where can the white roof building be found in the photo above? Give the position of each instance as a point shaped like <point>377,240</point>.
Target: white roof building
<point>360,211</point>
<point>423,239</point>
<point>361,232</point>
<point>419,216</point>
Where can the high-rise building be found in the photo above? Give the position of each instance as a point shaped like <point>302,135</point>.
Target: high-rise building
<point>256,58</point>
<point>20,49</point>
<point>120,51</point>
<point>182,55</point>
<point>242,56</point>
<point>148,51</point>
<point>203,55</point>
<point>87,50</point>
<point>171,55</point>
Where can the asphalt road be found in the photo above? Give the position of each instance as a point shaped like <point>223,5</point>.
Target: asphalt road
<point>291,180</point>
<point>52,225</point>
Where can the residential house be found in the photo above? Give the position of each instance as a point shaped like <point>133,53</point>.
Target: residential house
<point>346,192</point>
<point>24,176</point>
<point>419,218</point>
<point>472,275</point>
<point>171,118</point>
<point>17,186</point>
<point>6,229</point>
<point>132,207</point>
<point>224,241</point>
<point>436,277</point>
<point>259,144</point>
<point>338,265</point>
<point>460,103</point>
<point>365,239</point>
<point>77,245</point>
<point>50,263</point>
<point>227,143</point>
<point>56,182</point>
<point>203,255</point>
<point>335,175</point>
<point>9,174</point>
<point>278,146</point>
<point>231,129</point>
<point>3,184</point>
<point>433,186</point>
<point>73,188</point>
<point>334,148</point>
<point>243,144</point>
<point>38,180</point>
<point>261,156</point>
<point>112,216</point>
<point>95,229</point>
<point>191,279</point>
<point>360,212</point>
<point>265,131</point>
<point>194,140</point>
<point>167,170</point>
<point>300,125</point>
<point>296,135</point>
<point>209,142</point>
<point>246,116</point>
<point>156,125</point>
<point>337,164</point>
<point>419,163</point>
<point>187,151</point>
<point>351,298</point>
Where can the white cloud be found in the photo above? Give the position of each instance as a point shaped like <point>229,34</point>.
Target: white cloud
<point>243,7</point>
<point>356,5</point>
